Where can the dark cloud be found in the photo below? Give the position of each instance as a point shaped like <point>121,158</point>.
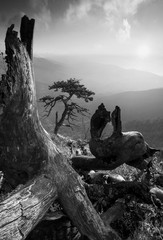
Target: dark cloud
<point>11,11</point>
<point>8,6</point>
<point>45,12</point>
<point>3,18</point>
<point>57,8</point>
<point>151,16</point>
<point>15,19</point>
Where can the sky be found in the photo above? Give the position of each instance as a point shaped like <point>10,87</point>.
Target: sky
<point>106,27</point>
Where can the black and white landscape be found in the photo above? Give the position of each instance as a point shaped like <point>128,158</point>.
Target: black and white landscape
<point>81,120</point>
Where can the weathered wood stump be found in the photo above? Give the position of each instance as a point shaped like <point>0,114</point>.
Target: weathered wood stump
<point>29,156</point>
<point>120,147</point>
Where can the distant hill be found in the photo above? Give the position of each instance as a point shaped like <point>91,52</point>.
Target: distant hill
<point>135,105</point>
<point>47,71</point>
<point>107,80</point>
<point>146,104</point>
<point>101,78</point>
<point>98,77</point>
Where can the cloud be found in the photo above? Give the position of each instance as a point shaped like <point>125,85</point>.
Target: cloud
<point>37,5</point>
<point>131,7</point>
<point>124,32</point>
<point>43,20</point>
<point>112,13</point>
<point>15,19</point>
<point>78,11</point>
<point>42,14</point>
<point>81,8</point>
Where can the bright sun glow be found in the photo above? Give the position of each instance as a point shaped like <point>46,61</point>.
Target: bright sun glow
<point>143,51</point>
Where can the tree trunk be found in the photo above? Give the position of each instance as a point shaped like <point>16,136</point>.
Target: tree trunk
<point>29,156</point>
<point>59,123</point>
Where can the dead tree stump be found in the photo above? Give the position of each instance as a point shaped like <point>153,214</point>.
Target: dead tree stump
<point>29,157</point>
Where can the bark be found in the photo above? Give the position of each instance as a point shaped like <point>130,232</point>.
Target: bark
<point>56,123</point>
<point>27,152</point>
<point>116,121</point>
<point>21,212</point>
<point>59,123</point>
<point>26,34</point>
<point>87,163</point>
<point>119,148</point>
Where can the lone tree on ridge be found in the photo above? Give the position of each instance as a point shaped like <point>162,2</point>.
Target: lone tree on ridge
<point>67,91</point>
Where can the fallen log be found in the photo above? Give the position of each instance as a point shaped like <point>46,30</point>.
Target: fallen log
<point>26,206</point>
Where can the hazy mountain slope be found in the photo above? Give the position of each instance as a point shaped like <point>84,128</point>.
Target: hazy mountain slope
<point>106,78</point>
<point>47,71</point>
<point>135,104</point>
<point>112,79</point>
<point>140,105</point>
<point>101,78</point>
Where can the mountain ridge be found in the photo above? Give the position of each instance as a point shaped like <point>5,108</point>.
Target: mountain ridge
<point>142,104</point>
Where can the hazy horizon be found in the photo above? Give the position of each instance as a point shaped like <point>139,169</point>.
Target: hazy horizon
<point>124,33</point>
<point>152,64</point>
